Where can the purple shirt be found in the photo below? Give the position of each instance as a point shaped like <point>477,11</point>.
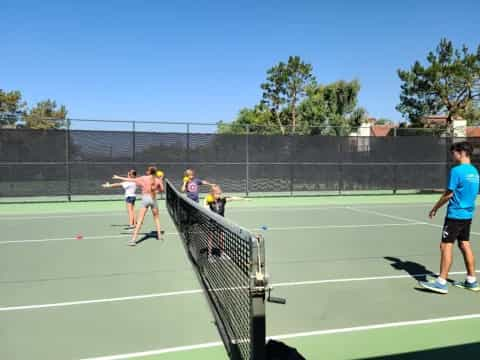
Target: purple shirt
<point>192,188</point>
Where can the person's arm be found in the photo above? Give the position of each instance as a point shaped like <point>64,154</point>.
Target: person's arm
<point>116,177</point>
<point>108,185</point>
<point>237,198</point>
<point>184,184</point>
<point>205,202</point>
<point>446,196</point>
<point>136,180</point>
<point>160,185</point>
<point>204,182</point>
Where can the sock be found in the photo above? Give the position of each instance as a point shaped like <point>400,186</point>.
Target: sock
<point>471,279</point>
<point>441,281</point>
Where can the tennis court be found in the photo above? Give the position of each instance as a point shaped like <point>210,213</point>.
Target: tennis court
<point>70,288</point>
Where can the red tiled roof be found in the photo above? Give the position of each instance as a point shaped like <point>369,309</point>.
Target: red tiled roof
<point>381,130</point>
<point>473,131</point>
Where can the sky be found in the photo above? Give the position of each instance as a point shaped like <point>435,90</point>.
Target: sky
<point>204,60</point>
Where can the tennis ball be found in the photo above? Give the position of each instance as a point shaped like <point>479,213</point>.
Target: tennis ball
<point>210,198</point>
<point>160,173</point>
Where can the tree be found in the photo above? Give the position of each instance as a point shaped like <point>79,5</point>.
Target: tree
<point>258,120</point>
<point>448,84</point>
<point>11,105</point>
<point>472,114</point>
<point>285,87</point>
<point>46,115</point>
<point>384,121</point>
<point>331,109</point>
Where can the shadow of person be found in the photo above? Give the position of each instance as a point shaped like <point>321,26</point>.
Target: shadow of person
<point>417,271</point>
<point>146,236</point>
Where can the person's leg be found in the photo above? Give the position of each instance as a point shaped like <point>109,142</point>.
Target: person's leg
<point>141,217</point>
<point>156,219</point>
<point>131,214</point>
<point>449,235</point>
<point>446,250</point>
<point>468,257</point>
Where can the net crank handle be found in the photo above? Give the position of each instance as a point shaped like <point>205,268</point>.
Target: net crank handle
<point>274,299</point>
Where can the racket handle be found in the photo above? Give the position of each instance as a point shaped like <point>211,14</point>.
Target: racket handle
<point>277,300</point>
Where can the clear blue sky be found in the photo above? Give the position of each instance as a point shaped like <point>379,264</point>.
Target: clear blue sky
<point>203,60</point>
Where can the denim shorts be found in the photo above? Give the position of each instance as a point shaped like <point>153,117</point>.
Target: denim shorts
<point>130,200</point>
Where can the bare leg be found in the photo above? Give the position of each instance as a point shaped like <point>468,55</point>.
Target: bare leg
<point>468,257</point>
<point>141,217</point>
<point>156,219</point>
<point>131,214</point>
<point>446,259</point>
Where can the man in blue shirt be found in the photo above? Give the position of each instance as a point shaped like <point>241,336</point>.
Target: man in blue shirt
<point>461,193</point>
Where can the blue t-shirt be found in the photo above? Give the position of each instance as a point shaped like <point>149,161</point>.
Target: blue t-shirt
<point>464,185</point>
<point>192,188</point>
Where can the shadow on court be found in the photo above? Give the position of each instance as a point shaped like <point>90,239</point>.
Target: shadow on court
<point>417,271</point>
<point>149,235</point>
<point>471,349</point>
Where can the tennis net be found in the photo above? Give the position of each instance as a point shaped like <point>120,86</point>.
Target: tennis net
<point>230,265</point>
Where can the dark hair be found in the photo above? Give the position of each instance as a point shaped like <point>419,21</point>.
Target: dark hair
<point>152,170</point>
<point>133,172</point>
<point>462,146</point>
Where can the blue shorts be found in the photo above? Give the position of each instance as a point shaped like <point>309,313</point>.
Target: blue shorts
<point>130,200</point>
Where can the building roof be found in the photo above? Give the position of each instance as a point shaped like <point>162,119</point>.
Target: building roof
<point>381,130</point>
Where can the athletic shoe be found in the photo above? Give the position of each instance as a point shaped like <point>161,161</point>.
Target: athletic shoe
<point>434,286</point>
<point>161,235</point>
<point>131,243</point>
<point>467,285</point>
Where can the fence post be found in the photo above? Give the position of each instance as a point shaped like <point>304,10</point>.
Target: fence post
<point>134,146</point>
<point>67,161</point>
<point>292,160</point>
<point>247,159</point>
<point>188,144</point>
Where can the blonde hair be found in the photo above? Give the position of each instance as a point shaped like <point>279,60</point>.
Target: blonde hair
<point>189,172</point>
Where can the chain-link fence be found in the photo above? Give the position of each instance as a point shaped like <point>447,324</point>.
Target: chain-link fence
<point>71,162</point>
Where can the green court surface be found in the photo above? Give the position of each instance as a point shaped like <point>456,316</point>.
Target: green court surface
<point>348,266</point>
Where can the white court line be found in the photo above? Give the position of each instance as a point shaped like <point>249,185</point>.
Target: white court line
<point>233,209</point>
<point>286,228</point>
<point>197,291</point>
<point>399,218</point>
<point>293,335</point>
<point>71,238</point>
<point>353,226</point>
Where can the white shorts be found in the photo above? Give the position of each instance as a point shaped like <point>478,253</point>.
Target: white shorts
<point>148,201</point>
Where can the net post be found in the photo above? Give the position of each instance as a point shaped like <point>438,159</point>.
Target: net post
<point>67,160</point>
<point>258,283</point>
<point>247,130</point>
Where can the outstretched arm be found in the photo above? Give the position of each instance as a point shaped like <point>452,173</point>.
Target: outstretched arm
<point>446,196</point>
<point>108,185</point>
<point>136,180</point>
<point>237,198</point>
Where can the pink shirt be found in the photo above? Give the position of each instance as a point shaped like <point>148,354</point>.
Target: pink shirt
<point>149,185</point>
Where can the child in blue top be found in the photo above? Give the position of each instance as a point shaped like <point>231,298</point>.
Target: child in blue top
<point>461,194</point>
<point>191,185</point>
